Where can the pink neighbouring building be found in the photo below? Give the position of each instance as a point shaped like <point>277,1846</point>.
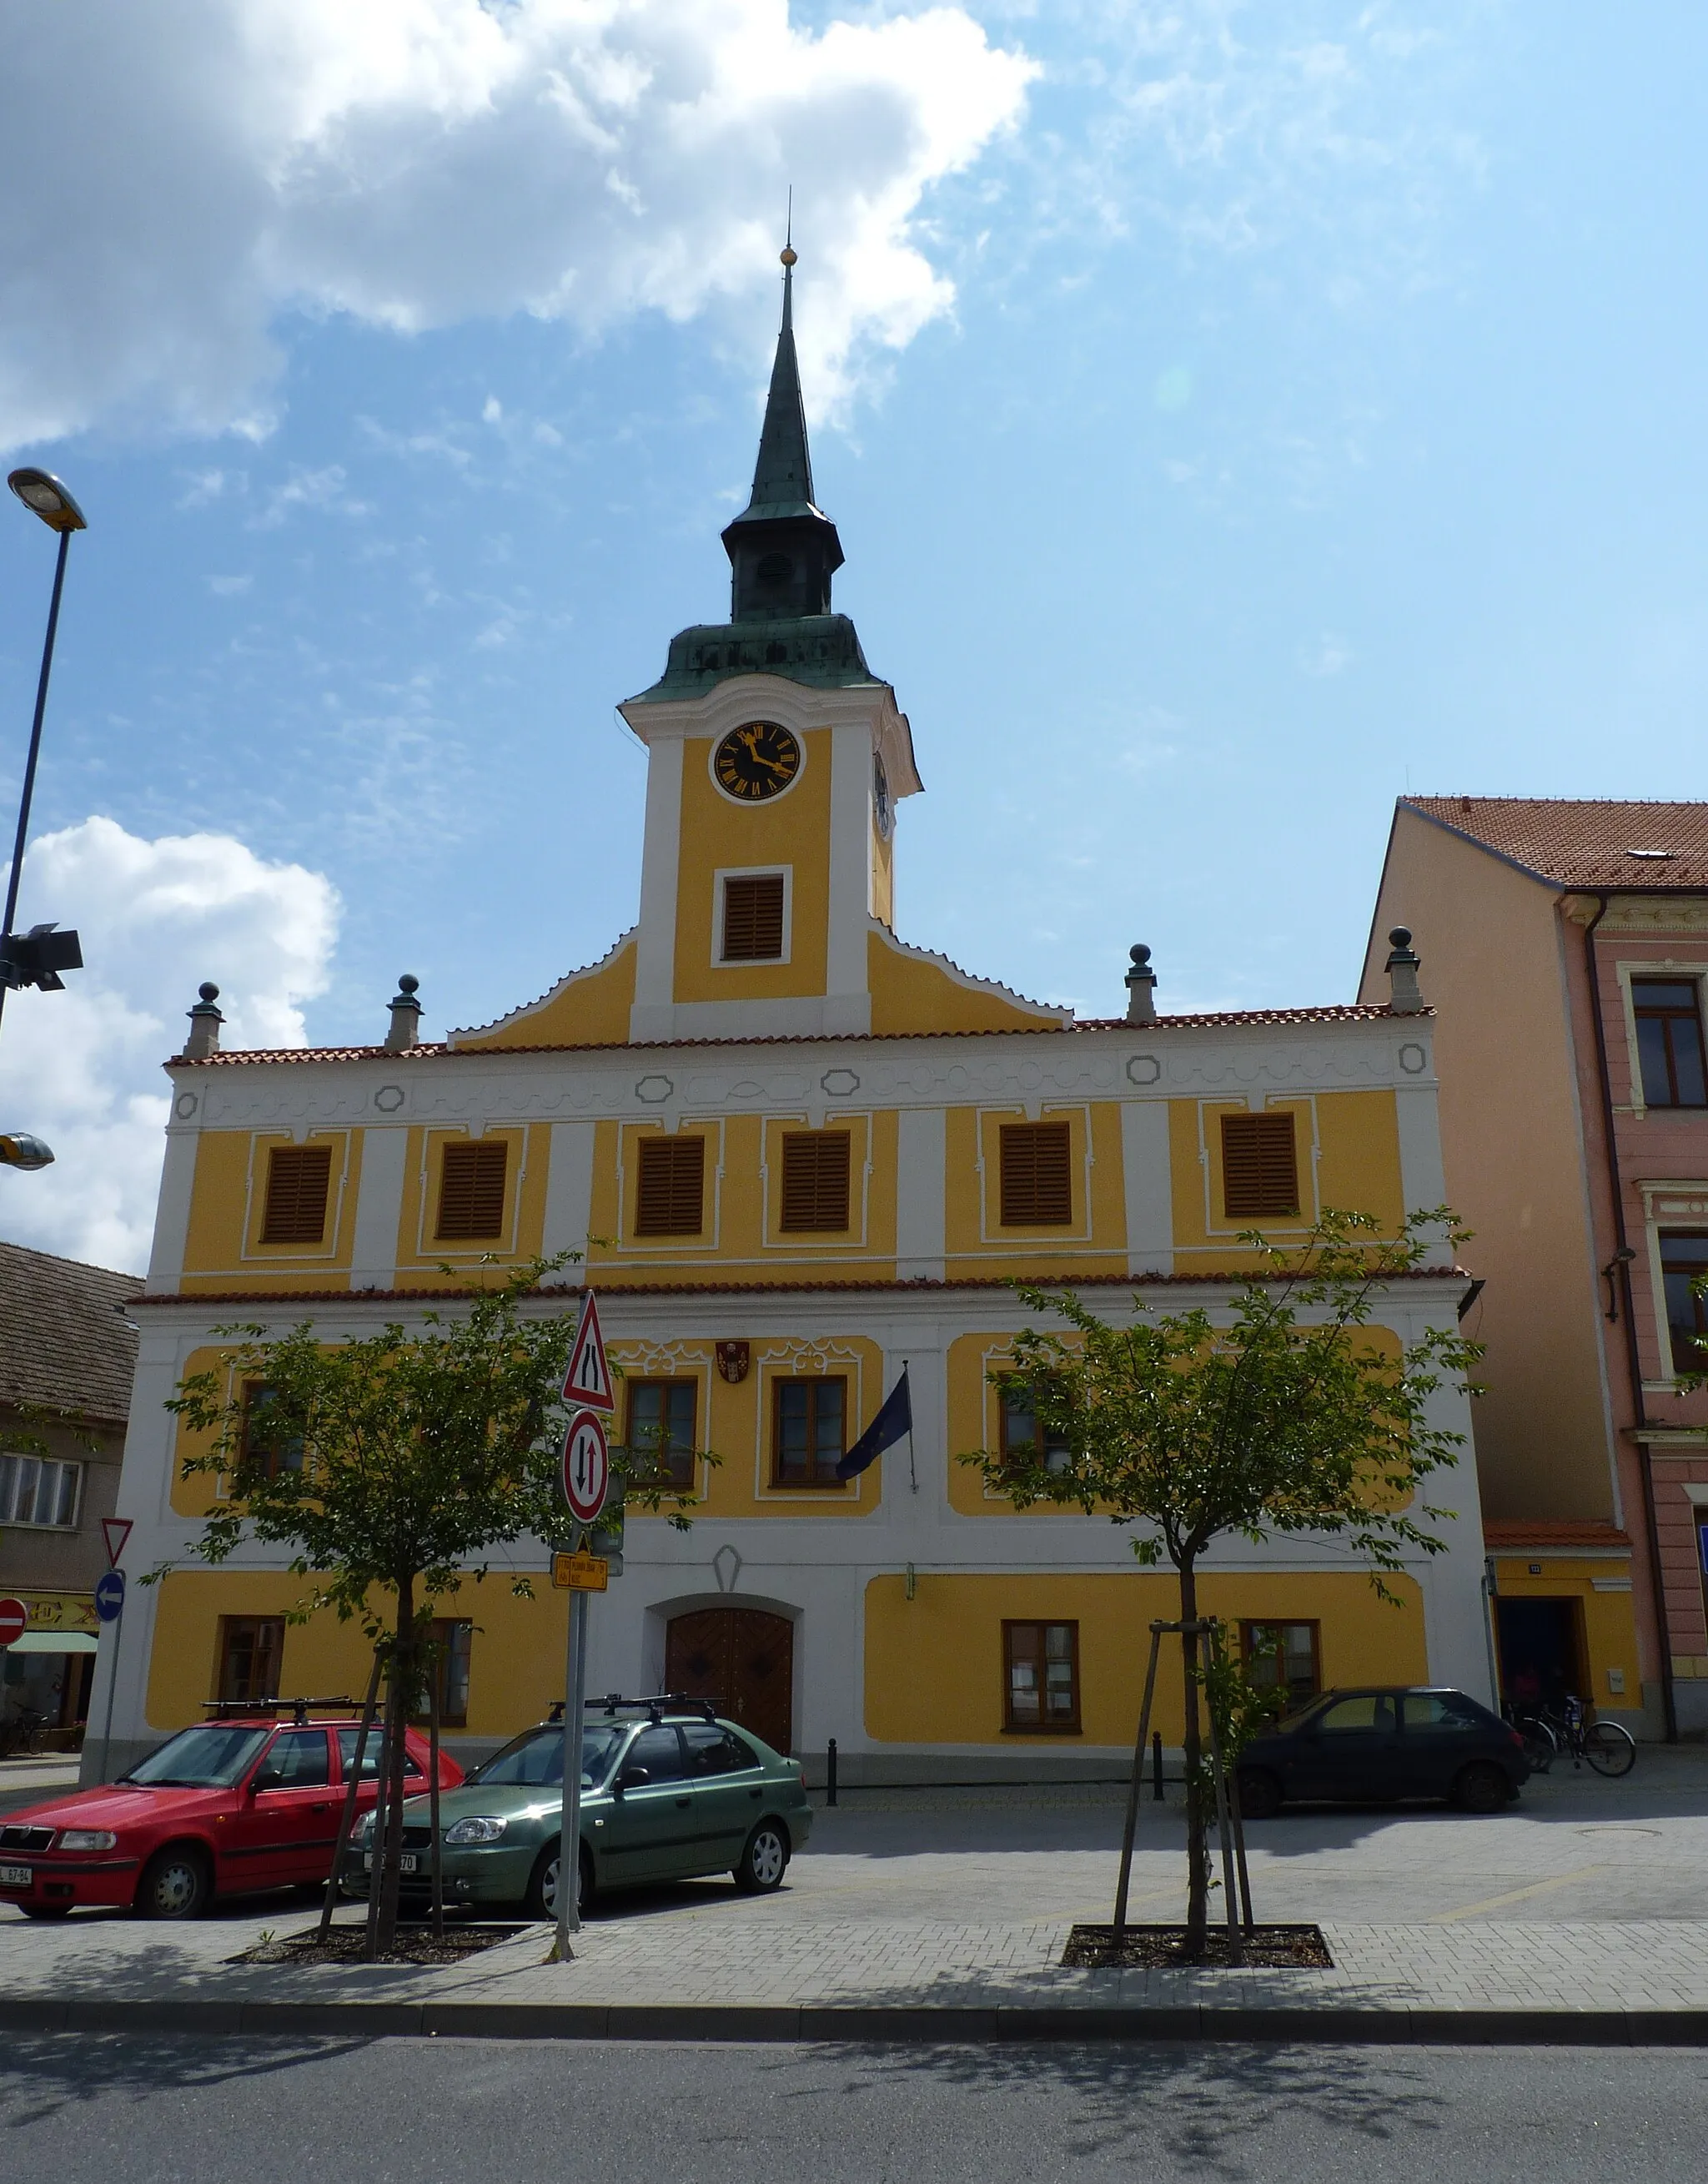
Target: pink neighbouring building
<point>1564,947</point>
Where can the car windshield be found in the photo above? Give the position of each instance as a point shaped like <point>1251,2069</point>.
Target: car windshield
<point>536,1761</point>
<point>211,1757</point>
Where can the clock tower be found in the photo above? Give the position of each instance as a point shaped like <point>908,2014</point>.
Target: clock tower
<point>775,761</point>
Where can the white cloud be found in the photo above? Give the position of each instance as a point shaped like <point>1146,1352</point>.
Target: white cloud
<point>81,1067</point>
<point>175,175</point>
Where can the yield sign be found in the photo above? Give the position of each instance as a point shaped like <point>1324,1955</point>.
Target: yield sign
<point>587,1465</point>
<point>588,1381</point>
<point>115,1531</point>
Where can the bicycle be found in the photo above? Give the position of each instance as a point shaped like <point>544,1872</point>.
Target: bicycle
<point>21,1735</point>
<point>1609,1749</point>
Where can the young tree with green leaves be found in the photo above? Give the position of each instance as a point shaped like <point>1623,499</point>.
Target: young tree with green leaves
<point>1284,1415</point>
<point>394,1465</point>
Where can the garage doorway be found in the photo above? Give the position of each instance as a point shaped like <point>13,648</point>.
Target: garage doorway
<point>742,1657</point>
<point>1541,1653</point>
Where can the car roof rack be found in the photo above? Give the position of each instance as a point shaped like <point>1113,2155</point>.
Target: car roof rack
<point>275,1709</point>
<point>655,1708</point>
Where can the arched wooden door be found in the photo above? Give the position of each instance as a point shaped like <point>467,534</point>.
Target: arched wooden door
<point>742,1658</point>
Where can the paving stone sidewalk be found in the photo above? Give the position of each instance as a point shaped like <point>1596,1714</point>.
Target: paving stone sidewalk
<point>745,1978</point>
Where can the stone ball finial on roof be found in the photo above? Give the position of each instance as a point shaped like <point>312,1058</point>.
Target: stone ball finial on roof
<point>408,983</point>
<point>1140,956</point>
<point>1400,937</point>
<point>789,255</point>
<point>208,990</point>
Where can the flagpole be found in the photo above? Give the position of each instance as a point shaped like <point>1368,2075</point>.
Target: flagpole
<point>912,1473</point>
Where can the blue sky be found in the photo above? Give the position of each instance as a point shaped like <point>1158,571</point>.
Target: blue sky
<point>1234,417</point>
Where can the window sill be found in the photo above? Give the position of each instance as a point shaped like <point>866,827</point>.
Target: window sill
<point>810,1486</point>
<point>1043,1729</point>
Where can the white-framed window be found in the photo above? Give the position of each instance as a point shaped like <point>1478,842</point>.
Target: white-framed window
<point>37,1490</point>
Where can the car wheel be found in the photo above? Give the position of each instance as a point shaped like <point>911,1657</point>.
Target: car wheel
<point>763,1860</point>
<point>45,1910</point>
<point>175,1885</point>
<point>1259,1794</point>
<point>1481,1787</point>
<point>541,1901</point>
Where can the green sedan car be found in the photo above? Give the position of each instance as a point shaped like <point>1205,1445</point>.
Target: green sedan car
<point>668,1792</point>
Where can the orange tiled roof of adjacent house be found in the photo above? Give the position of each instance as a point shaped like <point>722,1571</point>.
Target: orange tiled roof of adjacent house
<point>1583,842</point>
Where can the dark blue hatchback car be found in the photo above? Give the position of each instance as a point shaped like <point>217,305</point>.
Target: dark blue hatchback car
<point>1381,1743</point>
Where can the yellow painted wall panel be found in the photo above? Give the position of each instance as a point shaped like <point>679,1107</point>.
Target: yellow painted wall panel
<point>1358,1165</point>
<point>955,1623</point>
<point>911,991</point>
<point>718,835</point>
<point>227,1208</point>
<point>589,1008</point>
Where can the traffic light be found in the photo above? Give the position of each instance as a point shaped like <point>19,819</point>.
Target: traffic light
<point>37,958</point>
<point>16,1151</point>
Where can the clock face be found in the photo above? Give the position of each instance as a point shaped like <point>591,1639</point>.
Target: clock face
<point>757,761</point>
<point>880,796</point>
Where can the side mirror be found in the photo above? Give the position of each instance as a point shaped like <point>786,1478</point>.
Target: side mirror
<point>264,1778</point>
<point>632,1778</point>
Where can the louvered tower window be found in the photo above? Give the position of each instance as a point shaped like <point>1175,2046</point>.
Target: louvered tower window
<point>754,918</point>
<point>816,1180</point>
<point>1260,1166</point>
<point>670,1196</point>
<point>471,1190</point>
<point>298,1178</point>
<point>1037,1175</point>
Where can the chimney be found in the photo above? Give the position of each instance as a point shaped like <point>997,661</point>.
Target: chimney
<point>1407,999</point>
<point>205,1021</point>
<point>1140,988</point>
<point>406,1016</point>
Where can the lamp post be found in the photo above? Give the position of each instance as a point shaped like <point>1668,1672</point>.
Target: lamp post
<point>37,957</point>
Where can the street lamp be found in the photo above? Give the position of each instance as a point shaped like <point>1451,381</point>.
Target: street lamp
<point>37,958</point>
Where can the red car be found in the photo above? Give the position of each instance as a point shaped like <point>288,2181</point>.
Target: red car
<point>242,1803</point>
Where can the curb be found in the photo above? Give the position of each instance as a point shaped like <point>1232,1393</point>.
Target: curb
<point>814,2022</point>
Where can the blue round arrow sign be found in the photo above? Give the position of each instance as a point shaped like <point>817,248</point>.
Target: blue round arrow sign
<point>109,1596</point>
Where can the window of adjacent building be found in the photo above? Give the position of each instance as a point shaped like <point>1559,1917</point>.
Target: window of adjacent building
<point>452,1641</point>
<point>1260,1166</point>
<point>1037,1175</point>
<point>1041,1670</point>
<point>671,1188</point>
<point>298,1178</point>
<point>1669,1042</point>
<point>1282,1656</point>
<point>1025,1438</point>
<point>37,1490</point>
<point>266,1444</point>
<point>471,1190</point>
<point>250,1649</point>
<point>661,1430</point>
<point>1683,1264</point>
<point>816,1180</point>
<point>753,917</point>
<point>809,1419</point>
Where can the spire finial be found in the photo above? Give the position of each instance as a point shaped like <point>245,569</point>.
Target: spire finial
<point>789,258</point>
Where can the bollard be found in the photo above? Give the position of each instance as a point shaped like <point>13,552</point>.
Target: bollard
<point>1156,1766</point>
<point>831,1773</point>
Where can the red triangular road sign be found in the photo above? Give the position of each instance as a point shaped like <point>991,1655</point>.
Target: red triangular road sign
<point>115,1531</point>
<point>588,1380</point>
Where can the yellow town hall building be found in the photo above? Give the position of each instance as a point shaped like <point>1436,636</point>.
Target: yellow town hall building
<point>799,1154</point>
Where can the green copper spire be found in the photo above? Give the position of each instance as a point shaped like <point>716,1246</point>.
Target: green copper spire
<point>783,474</point>
<point>782,549</point>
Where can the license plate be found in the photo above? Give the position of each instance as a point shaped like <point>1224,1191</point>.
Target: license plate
<point>17,1876</point>
<point>408,1863</point>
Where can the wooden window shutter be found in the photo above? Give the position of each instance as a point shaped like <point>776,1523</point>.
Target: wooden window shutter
<point>1260,1166</point>
<point>816,1180</point>
<point>754,918</point>
<point>472,1189</point>
<point>1037,1175</point>
<point>670,1197</point>
<point>298,1178</point>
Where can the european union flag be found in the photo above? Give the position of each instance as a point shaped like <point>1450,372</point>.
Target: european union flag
<point>885,1429</point>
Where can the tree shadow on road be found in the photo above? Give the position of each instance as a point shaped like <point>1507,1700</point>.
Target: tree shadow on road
<point>42,2073</point>
<point>1212,2109</point>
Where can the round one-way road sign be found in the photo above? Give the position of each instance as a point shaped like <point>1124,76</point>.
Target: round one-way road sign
<point>587,1465</point>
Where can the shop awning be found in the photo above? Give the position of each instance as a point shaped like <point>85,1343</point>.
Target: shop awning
<point>54,1642</point>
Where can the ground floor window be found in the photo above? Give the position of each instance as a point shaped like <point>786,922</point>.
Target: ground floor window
<point>451,1641</point>
<point>250,1650</point>
<point>1285,1656</point>
<point>1041,1676</point>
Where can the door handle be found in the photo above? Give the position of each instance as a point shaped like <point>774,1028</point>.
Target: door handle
<point>756,1792</point>
<point>683,1802</point>
<point>320,1808</point>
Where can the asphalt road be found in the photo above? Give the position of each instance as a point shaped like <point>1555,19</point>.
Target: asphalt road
<point>128,2111</point>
